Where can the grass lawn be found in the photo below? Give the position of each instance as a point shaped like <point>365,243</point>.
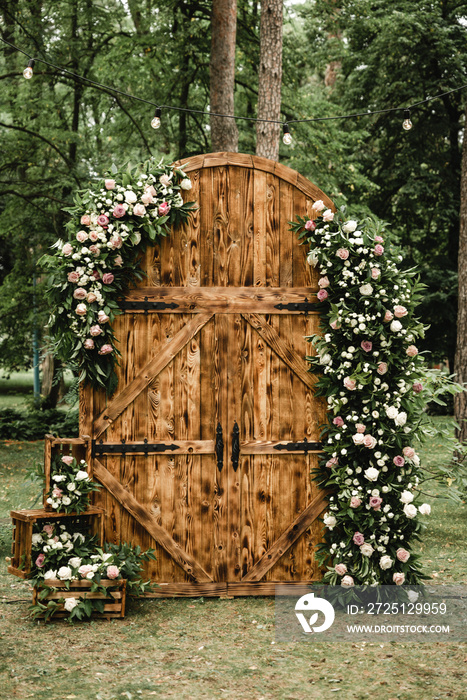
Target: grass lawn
<point>17,390</point>
<point>211,648</point>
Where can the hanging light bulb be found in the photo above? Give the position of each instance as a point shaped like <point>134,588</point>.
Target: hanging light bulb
<point>407,124</point>
<point>287,137</point>
<point>27,72</point>
<point>156,121</point>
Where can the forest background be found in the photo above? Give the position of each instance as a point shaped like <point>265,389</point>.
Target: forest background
<point>339,57</point>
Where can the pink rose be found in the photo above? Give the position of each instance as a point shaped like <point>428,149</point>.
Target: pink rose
<point>417,387</point>
<point>108,278</point>
<point>94,250</point>
<point>164,208</point>
<point>400,311</point>
<point>340,569</point>
<point>67,249</point>
<point>49,529</point>
<point>339,421</point>
<point>109,184</point>
<point>331,462</point>
<point>95,330</point>
<point>91,297</point>
<point>118,260</point>
<point>388,316</point>
<point>358,439</point>
<point>96,275</point>
<point>85,220</point>
<point>150,190</point>
<point>319,205</point>
<point>147,198</point>
<point>375,502</point>
<point>412,351</point>
<point>323,282</point>
<point>105,350</point>
<point>89,344</point>
<point>73,277</point>
<point>113,571</point>
<point>375,273</point>
<point>81,236</point>
<point>40,560</point>
<point>350,384</point>
<point>84,570</point>
<point>402,554</point>
<point>360,428</point>
<point>335,325</point>
<point>322,295</point>
<point>310,225</point>
<point>102,317</point>
<point>408,452</point>
<point>79,293</point>
<point>81,310</point>
<point>398,578</point>
<point>328,215</point>
<point>347,582</point>
<point>399,461</point>
<point>116,242</point>
<point>358,538</point>
<point>93,235</point>
<point>342,253</point>
<point>119,211</point>
<point>378,239</point>
<point>56,493</point>
<point>366,345</point>
<point>369,441</point>
<point>382,368</point>
<point>355,501</point>
<point>68,459</point>
<point>102,220</point>
<point>379,250</point>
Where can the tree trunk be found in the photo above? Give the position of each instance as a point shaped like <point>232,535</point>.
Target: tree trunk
<point>51,388</point>
<point>224,132</point>
<point>270,78</point>
<point>460,366</point>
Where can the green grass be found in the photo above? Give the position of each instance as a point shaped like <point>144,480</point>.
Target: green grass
<point>213,649</point>
<point>17,390</point>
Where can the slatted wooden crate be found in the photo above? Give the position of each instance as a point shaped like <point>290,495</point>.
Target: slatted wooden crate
<point>115,599</point>
<point>54,446</point>
<point>91,522</point>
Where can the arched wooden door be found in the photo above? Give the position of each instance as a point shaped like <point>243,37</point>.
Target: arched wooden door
<point>214,392</point>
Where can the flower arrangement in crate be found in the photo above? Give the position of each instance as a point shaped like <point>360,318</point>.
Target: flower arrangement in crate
<point>70,485</point>
<point>75,578</point>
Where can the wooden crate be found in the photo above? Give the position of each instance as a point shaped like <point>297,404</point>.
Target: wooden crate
<point>116,599</point>
<point>53,446</point>
<point>92,521</point>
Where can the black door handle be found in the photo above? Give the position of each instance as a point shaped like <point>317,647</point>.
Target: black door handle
<point>219,447</point>
<point>235,446</point>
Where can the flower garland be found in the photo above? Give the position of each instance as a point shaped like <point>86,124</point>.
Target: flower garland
<point>371,373</point>
<point>70,486</point>
<point>110,227</point>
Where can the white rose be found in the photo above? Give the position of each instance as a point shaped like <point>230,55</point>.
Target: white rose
<point>70,603</point>
<point>410,510</point>
<point>395,326</point>
<point>385,562</point>
<point>416,460</point>
<point>186,184</point>
<point>366,549</point>
<point>391,412</point>
<point>366,290</point>
<point>71,487</point>
<point>371,474</point>
<point>425,509</point>
<point>358,438</point>
<point>329,520</point>
<point>349,226</point>
<point>64,573</point>
<point>37,539</point>
<point>50,574</point>
<point>325,359</point>
<point>401,419</point>
<point>406,497</point>
<point>75,562</point>
<point>66,500</point>
<point>312,258</point>
<point>82,476</point>
<point>130,197</point>
<point>412,596</point>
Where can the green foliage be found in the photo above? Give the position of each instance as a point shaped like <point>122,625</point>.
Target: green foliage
<point>33,425</point>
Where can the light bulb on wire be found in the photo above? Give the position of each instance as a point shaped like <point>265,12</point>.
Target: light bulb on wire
<point>27,72</point>
<point>156,121</point>
<point>407,124</point>
<point>287,137</point>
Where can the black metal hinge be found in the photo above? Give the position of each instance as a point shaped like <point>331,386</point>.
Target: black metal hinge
<point>304,306</point>
<point>123,448</point>
<point>146,305</point>
<point>304,446</point>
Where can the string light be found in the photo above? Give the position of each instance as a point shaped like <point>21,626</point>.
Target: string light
<point>287,137</point>
<point>156,120</point>
<point>407,124</point>
<point>27,72</point>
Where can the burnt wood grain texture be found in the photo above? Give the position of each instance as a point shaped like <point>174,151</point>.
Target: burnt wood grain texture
<point>227,348</point>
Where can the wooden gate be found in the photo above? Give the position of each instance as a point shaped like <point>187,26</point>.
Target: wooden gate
<point>195,450</point>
